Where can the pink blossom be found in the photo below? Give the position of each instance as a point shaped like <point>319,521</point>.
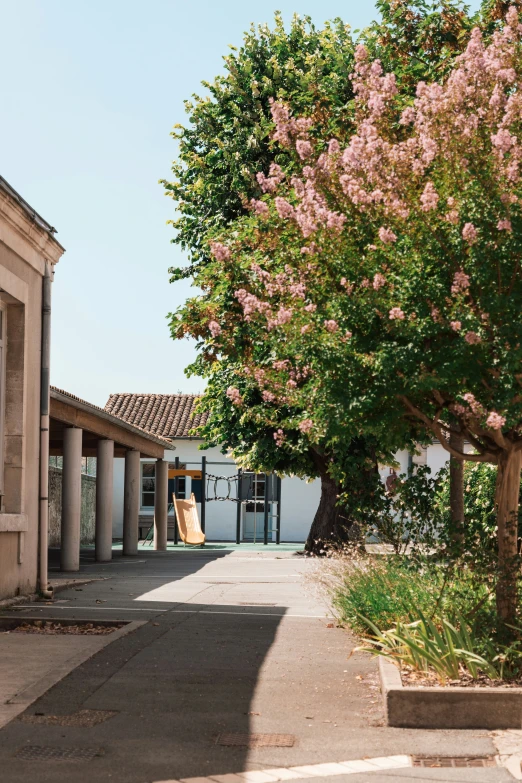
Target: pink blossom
<point>310,308</point>
<point>331,325</point>
<point>472,338</point>
<point>333,147</point>
<point>495,421</point>
<point>219,251</point>
<point>291,384</point>
<point>268,396</point>
<point>306,425</point>
<point>470,233</point>
<point>408,116</point>
<point>365,283</point>
<point>435,314</point>
<point>304,148</point>
<point>504,225</point>
<point>269,184</point>
<point>259,207</point>
<point>452,216</point>
<point>378,281</point>
<point>456,326</point>
<point>460,283</point>
<point>429,198</point>
<point>279,437</point>
<point>283,316</point>
<point>476,408</point>
<point>386,235</point>
<point>284,209</point>
<point>310,250</point>
<point>306,328</point>
<point>234,395</point>
<point>281,364</point>
<point>503,140</point>
<point>215,328</point>
<point>396,314</point>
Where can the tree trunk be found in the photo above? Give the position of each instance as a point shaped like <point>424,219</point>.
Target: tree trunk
<point>506,501</point>
<point>329,528</point>
<point>456,472</point>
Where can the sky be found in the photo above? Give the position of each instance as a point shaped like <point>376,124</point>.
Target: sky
<point>91,91</point>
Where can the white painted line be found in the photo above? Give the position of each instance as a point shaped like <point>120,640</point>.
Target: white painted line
<point>257,777</point>
<point>305,771</point>
<point>71,608</point>
<point>320,770</point>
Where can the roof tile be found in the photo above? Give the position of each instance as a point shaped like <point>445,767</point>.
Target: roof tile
<point>166,415</point>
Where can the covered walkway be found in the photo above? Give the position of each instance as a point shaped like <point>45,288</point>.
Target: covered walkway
<point>79,429</point>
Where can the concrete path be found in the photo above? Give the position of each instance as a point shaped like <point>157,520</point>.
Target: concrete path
<point>236,643</point>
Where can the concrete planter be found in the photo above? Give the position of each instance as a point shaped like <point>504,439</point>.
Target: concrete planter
<point>447,708</point>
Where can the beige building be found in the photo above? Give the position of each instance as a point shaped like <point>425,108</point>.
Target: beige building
<point>28,254</point>
<point>37,421</point>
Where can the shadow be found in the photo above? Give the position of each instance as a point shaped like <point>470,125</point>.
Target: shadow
<point>178,683</point>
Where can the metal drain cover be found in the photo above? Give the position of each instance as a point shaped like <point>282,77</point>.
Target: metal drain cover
<point>84,719</point>
<point>457,761</point>
<point>257,740</point>
<point>48,753</point>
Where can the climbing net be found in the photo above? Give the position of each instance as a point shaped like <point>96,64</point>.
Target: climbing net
<point>231,482</point>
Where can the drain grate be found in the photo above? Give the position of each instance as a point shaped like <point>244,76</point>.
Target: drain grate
<point>256,740</point>
<point>84,719</point>
<point>457,761</point>
<point>48,753</point>
<point>254,603</point>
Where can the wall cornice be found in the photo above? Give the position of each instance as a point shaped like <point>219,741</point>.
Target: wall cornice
<point>33,243</point>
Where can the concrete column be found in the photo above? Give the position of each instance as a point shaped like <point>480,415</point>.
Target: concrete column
<point>71,499</point>
<point>131,502</point>
<point>161,504</point>
<point>104,490</point>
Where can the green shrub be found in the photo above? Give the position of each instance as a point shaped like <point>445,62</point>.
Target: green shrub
<point>480,526</point>
<point>389,589</point>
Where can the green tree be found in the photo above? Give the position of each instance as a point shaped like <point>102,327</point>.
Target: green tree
<point>387,274</point>
<point>227,144</point>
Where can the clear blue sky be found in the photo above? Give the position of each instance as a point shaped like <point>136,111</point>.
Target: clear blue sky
<point>91,90</point>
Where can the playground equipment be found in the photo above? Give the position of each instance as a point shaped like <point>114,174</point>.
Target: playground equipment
<point>188,521</point>
<point>255,496</point>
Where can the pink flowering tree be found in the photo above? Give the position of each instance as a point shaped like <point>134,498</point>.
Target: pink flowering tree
<point>388,271</point>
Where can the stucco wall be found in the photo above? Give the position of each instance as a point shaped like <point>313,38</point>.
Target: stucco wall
<point>88,508</point>
<point>299,499</point>
<point>24,247</point>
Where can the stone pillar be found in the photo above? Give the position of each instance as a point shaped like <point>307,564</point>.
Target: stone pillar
<point>131,502</point>
<point>104,490</point>
<point>161,504</point>
<point>71,499</point>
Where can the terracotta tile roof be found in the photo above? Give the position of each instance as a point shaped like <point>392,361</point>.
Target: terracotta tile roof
<point>166,415</point>
<point>57,394</point>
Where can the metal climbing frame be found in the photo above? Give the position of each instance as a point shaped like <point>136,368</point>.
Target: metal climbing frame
<point>210,484</point>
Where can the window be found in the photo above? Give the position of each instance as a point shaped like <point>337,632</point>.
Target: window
<point>182,482</point>
<point>148,484</point>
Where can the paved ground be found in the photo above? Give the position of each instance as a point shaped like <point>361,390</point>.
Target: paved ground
<point>236,642</point>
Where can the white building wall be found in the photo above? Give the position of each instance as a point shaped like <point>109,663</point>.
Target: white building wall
<point>299,498</point>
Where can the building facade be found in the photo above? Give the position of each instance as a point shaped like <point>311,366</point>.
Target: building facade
<point>173,416</point>
<point>28,255</point>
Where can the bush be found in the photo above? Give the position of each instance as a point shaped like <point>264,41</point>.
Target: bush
<point>480,526</point>
<point>389,589</point>
<point>389,596</point>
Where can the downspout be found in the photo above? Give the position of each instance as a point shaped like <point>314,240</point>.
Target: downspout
<point>43,583</point>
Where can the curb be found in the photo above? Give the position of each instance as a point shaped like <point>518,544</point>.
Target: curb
<point>447,708</point>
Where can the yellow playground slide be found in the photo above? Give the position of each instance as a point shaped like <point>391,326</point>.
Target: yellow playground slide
<point>188,521</point>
